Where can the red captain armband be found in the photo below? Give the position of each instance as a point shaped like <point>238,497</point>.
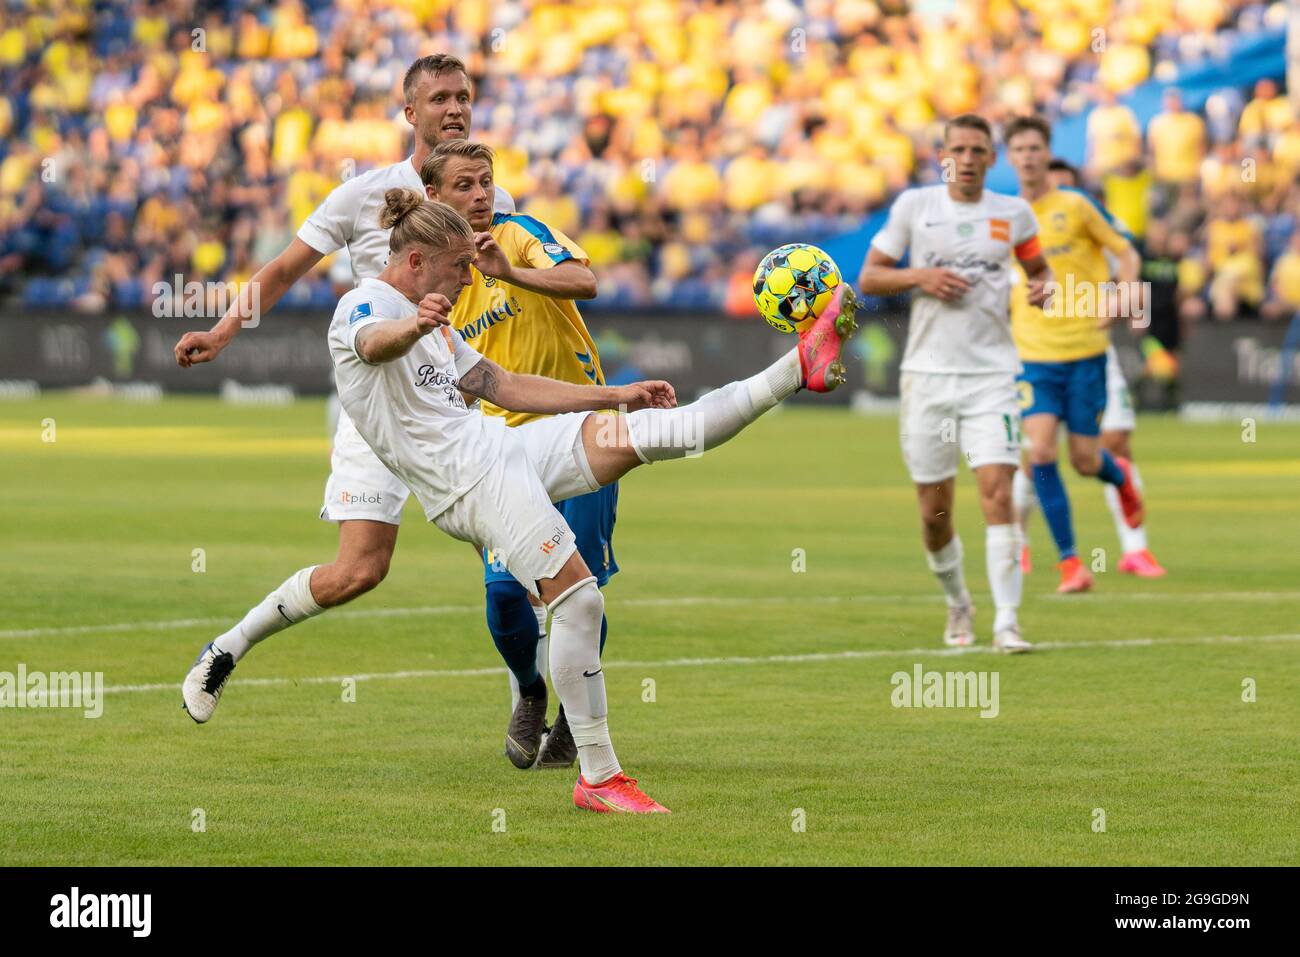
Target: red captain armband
<point>1029,248</point>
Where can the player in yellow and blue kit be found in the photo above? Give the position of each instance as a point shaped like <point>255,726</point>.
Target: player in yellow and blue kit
<point>1062,345</point>
<point>520,313</point>
<point>1117,425</point>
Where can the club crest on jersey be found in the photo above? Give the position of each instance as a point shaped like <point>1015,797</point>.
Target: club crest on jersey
<point>1000,229</point>
<point>362,310</point>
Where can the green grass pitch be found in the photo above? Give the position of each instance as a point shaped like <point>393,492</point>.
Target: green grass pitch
<point>771,687</point>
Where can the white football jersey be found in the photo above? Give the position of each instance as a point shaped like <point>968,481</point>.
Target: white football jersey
<point>349,217</point>
<point>410,411</point>
<point>976,241</point>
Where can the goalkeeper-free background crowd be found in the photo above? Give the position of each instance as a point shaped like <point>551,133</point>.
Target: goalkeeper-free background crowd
<point>675,140</point>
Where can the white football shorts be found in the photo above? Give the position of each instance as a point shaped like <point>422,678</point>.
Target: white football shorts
<point>510,509</point>
<point>1119,415</point>
<point>947,416</point>
<point>360,486</point>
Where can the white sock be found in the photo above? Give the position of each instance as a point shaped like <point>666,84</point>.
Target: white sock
<point>659,434</point>
<point>289,604</point>
<point>540,612</point>
<point>946,565</point>
<point>1002,556</point>
<point>514,690</point>
<point>543,643</point>
<point>1023,500</point>
<point>1130,539</point>
<point>577,677</point>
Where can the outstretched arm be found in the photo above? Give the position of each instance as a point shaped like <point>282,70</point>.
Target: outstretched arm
<point>258,295</point>
<point>535,393</point>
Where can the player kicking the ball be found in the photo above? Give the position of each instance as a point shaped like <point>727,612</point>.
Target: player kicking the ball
<point>401,370</point>
<point>520,313</point>
<point>958,384</point>
<point>1064,352</point>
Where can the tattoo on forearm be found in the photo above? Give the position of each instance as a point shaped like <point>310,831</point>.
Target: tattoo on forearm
<point>481,381</point>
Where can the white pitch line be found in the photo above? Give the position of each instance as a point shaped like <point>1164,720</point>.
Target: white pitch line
<point>1186,596</point>
<point>678,602</point>
<point>432,610</point>
<point>820,656</point>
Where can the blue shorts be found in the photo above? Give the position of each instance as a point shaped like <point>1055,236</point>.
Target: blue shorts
<point>591,517</point>
<point>1074,392</point>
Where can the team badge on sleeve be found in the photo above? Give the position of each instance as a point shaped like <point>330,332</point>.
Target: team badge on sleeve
<point>362,311</point>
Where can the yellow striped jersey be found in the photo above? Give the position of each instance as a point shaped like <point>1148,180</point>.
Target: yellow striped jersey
<point>521,330</point>
<point>1074,232</point>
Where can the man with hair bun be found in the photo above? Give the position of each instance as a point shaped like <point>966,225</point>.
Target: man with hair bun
<point>361,495</point>
<point>521,313</point>
<point>403,372</point>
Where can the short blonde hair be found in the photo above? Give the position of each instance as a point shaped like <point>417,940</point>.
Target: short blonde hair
<point>415,220</point>
<point>432,168</point>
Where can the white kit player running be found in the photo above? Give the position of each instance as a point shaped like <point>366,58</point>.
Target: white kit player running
<point>361,495</point>
<point>958,377</point>
<point>401,371</point>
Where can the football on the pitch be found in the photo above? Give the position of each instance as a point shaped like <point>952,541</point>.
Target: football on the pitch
<point>793,284</point>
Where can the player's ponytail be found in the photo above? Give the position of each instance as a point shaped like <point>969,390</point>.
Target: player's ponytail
<point>397,203</point>
<point>415,220</point>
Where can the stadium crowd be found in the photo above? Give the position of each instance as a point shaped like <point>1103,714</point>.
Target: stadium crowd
<point>675,140</point>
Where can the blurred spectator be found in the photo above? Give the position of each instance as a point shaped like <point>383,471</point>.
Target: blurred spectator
<point>1126,195</point>
<point>1114,136</point>
<point>1264,117</point>
<point>676,141</point>
<point>1234,249</point>
<point>1177,140</point>
<point>1284,283</point>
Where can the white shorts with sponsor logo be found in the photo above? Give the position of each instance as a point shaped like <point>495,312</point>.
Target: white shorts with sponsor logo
<point>1119,416</point>
<point>947,416</point>
<point>360,486</point>
<point>510,509</point>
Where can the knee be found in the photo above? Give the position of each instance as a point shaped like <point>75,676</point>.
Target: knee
<point>583,603</point>
<point>1042,453</point>
<point>363,575</point>
<point>935,519</point>
<point>997,501</point>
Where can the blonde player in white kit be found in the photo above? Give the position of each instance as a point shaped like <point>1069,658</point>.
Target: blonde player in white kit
<point>401,371</point>
<point>958,385</point>
<point>361,495</point>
